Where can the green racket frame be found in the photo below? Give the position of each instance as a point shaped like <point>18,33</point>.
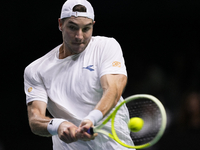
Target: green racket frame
<point>114,136</point>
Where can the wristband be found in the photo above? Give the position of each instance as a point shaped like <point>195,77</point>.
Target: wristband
<point>95,116</point>
<point>53,125</point>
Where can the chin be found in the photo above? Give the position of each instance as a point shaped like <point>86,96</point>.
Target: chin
<point>78,50</point>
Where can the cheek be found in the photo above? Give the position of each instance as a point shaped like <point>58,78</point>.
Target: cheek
<point>67,36</point>
<point>87,37</point>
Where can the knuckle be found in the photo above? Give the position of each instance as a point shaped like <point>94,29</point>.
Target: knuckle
<point>62,137</point>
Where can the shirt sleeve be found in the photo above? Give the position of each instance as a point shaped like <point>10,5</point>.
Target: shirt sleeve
<point>112,60</point>
<point>33,86</point>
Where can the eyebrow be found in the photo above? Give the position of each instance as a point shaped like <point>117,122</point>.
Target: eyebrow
<point>71,22</point>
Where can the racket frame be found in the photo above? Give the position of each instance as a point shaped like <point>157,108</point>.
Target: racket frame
<point>97,129</point>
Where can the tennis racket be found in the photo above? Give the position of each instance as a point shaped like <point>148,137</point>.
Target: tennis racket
<point>144,106</point>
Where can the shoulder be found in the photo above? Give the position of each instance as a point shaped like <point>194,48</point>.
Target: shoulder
<point>103,40</point>
<point>40,62</point>
<point>104,43</point>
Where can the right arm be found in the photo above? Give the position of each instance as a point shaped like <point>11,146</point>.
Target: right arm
<point>38,122</point>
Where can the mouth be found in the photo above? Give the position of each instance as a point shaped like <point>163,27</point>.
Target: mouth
<point>77,43</point>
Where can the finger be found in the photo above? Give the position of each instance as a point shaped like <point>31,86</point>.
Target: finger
<point>89,136</point>
<point>82,134</point>
<point>86,127</point>
<point>64,137</point>
<point>83,123</point>
<point>67,137</point>
<point>95,134</point>
<point>78,134</point>
<point>72,133</point>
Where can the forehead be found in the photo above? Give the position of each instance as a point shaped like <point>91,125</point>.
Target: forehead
<point>80,21</point>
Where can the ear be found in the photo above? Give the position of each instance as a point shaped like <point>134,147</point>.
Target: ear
<point>60,24</point>
<point>94,22</point>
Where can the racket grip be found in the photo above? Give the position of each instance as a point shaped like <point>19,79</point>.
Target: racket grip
<point>90,131</point>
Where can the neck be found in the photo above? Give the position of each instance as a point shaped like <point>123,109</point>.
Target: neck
<point>63,53</point>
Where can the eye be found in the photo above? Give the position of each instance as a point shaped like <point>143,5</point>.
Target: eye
<point>73,28</point>
<point>86,29</point>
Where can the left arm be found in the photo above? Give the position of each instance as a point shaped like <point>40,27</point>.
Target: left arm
<point>113,86</point>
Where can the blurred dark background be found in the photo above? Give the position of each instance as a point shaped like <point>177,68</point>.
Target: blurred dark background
<point>160,43</point>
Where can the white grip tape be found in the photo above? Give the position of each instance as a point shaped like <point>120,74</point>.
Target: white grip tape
<point>95,116</point>
<point>53,125</point>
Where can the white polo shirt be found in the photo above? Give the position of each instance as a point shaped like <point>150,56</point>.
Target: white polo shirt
<point>71,86</point>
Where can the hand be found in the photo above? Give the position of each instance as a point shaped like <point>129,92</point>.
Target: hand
<point>82,131</point>
<point>67,132</point>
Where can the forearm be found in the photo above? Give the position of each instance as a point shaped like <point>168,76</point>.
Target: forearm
<point>38,125</point>
<point>113,86</point>
<point>108,101</point>
<point>38,120</point>
<point>42,125</point>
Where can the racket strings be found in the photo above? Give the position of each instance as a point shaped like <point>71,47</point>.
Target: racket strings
<point>150,113</point>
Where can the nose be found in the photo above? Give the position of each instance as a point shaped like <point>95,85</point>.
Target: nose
<point>79,35</point>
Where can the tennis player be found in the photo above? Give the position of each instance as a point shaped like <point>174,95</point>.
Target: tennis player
<point>80,81</point>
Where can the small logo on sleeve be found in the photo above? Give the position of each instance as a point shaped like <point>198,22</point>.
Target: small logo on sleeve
<point>89,68</point>
<point>116,64</point>
<point>51,123</point>
<point>30,89</point>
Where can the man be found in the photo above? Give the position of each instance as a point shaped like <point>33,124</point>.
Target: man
<point>79,82</point>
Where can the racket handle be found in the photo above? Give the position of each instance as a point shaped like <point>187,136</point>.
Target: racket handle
<point>90,131</point>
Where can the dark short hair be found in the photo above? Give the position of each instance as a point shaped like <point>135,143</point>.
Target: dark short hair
<point>80,8</point>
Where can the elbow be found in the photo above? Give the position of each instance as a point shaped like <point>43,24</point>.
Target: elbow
<point>34,131</point>
<point>33,127</point>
